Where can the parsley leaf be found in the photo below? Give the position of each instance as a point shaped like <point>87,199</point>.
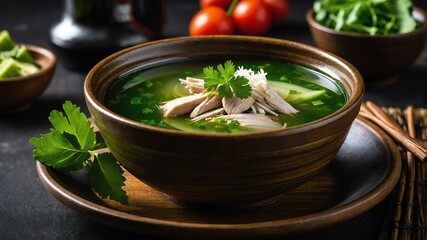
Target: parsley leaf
<point>75,124</point>
<point>55,150</point>
<point>223,82</point>
<point>66,147</point>
<point>71,145</point>
<point>105,177</point>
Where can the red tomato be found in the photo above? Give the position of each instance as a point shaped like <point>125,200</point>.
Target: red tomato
<point>211,21</point>
<point>251,17</point>
<point>224,4</point>
<point>279,10</point>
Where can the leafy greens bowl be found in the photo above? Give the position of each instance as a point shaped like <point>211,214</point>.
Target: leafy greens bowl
<point>379,58</point>
<point>225,171</point>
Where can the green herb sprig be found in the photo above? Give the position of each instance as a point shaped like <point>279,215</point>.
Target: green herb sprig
<point>71,145</point>
<point>223,82</point>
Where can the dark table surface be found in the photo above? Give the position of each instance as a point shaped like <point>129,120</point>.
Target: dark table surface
<point>28,211</point>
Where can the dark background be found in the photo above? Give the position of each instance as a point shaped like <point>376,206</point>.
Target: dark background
<point>27,210</point>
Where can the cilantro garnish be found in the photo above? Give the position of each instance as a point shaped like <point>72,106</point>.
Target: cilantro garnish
<point>223,82</point>
<point>71,145</point>
<point>222,124</point>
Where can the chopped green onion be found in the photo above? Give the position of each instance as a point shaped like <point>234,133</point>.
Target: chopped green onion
<point>317,103</point>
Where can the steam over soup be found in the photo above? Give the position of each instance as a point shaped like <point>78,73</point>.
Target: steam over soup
<point>225,96</point>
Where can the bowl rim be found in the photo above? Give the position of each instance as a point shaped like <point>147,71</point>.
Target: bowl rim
<point>43,69</point>
<point>422,28</point>
<point>351,103</point>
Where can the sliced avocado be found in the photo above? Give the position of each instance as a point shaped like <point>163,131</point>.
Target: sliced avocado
<point>26,68</point>
<point>6,42</point>
<point>24,55</point>
<point>9,53</point>
<point>8,69</point>
<point>20,53</point>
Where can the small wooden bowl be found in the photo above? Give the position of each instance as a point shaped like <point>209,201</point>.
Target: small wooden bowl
<point>223,171</point>
<point>378,58</point>
<point>18,93</point>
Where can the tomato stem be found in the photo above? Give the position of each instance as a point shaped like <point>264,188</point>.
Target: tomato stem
<point>232,7</point>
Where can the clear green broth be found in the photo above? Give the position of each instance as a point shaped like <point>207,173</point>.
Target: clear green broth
<point>138,95</point>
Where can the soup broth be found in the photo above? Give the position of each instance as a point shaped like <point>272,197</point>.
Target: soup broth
<point>140,94</point>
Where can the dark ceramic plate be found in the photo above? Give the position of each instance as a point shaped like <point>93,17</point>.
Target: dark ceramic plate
<point>363,173</point>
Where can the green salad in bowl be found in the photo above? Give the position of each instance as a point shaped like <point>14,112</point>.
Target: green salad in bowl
<point>373,17</point>
<point>381,38</point>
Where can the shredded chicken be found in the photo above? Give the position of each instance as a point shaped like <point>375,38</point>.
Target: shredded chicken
<point>275,101</point>
<point>264,93</point>
<point>235,105</point>
<point>213,113</point>
<point>194,85</point>
<point>263,108</point>
<point>207,105</point>
<point>182,105</point>
<point>254,121</point>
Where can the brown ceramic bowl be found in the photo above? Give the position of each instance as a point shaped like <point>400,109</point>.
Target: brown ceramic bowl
<point>220,170</point>
<point>18,93</point>
<point>378,58</point>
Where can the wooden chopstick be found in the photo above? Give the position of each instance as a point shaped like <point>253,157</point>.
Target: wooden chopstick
<point>410,159</point>
<point>420,206</point>
<point>406,219</point>
<point>376,115</point>
<point>392,223</point>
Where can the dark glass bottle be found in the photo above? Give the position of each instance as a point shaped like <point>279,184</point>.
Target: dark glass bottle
<point>149,16</point>
<point>90,30</point>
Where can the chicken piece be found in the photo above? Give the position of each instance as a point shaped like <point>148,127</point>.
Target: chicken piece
<point>236,105</point>
<point>264,94</point>
<point>194,85</point>
<point>254,121</point>
<point>210,114</point>
<point>182,105</point>
<point>275,101</point>
<point>262,107</point>
<point>207,105</point>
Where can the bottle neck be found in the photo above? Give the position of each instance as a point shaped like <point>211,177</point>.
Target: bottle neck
<point>149,14</point>
<point>90,11</point>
